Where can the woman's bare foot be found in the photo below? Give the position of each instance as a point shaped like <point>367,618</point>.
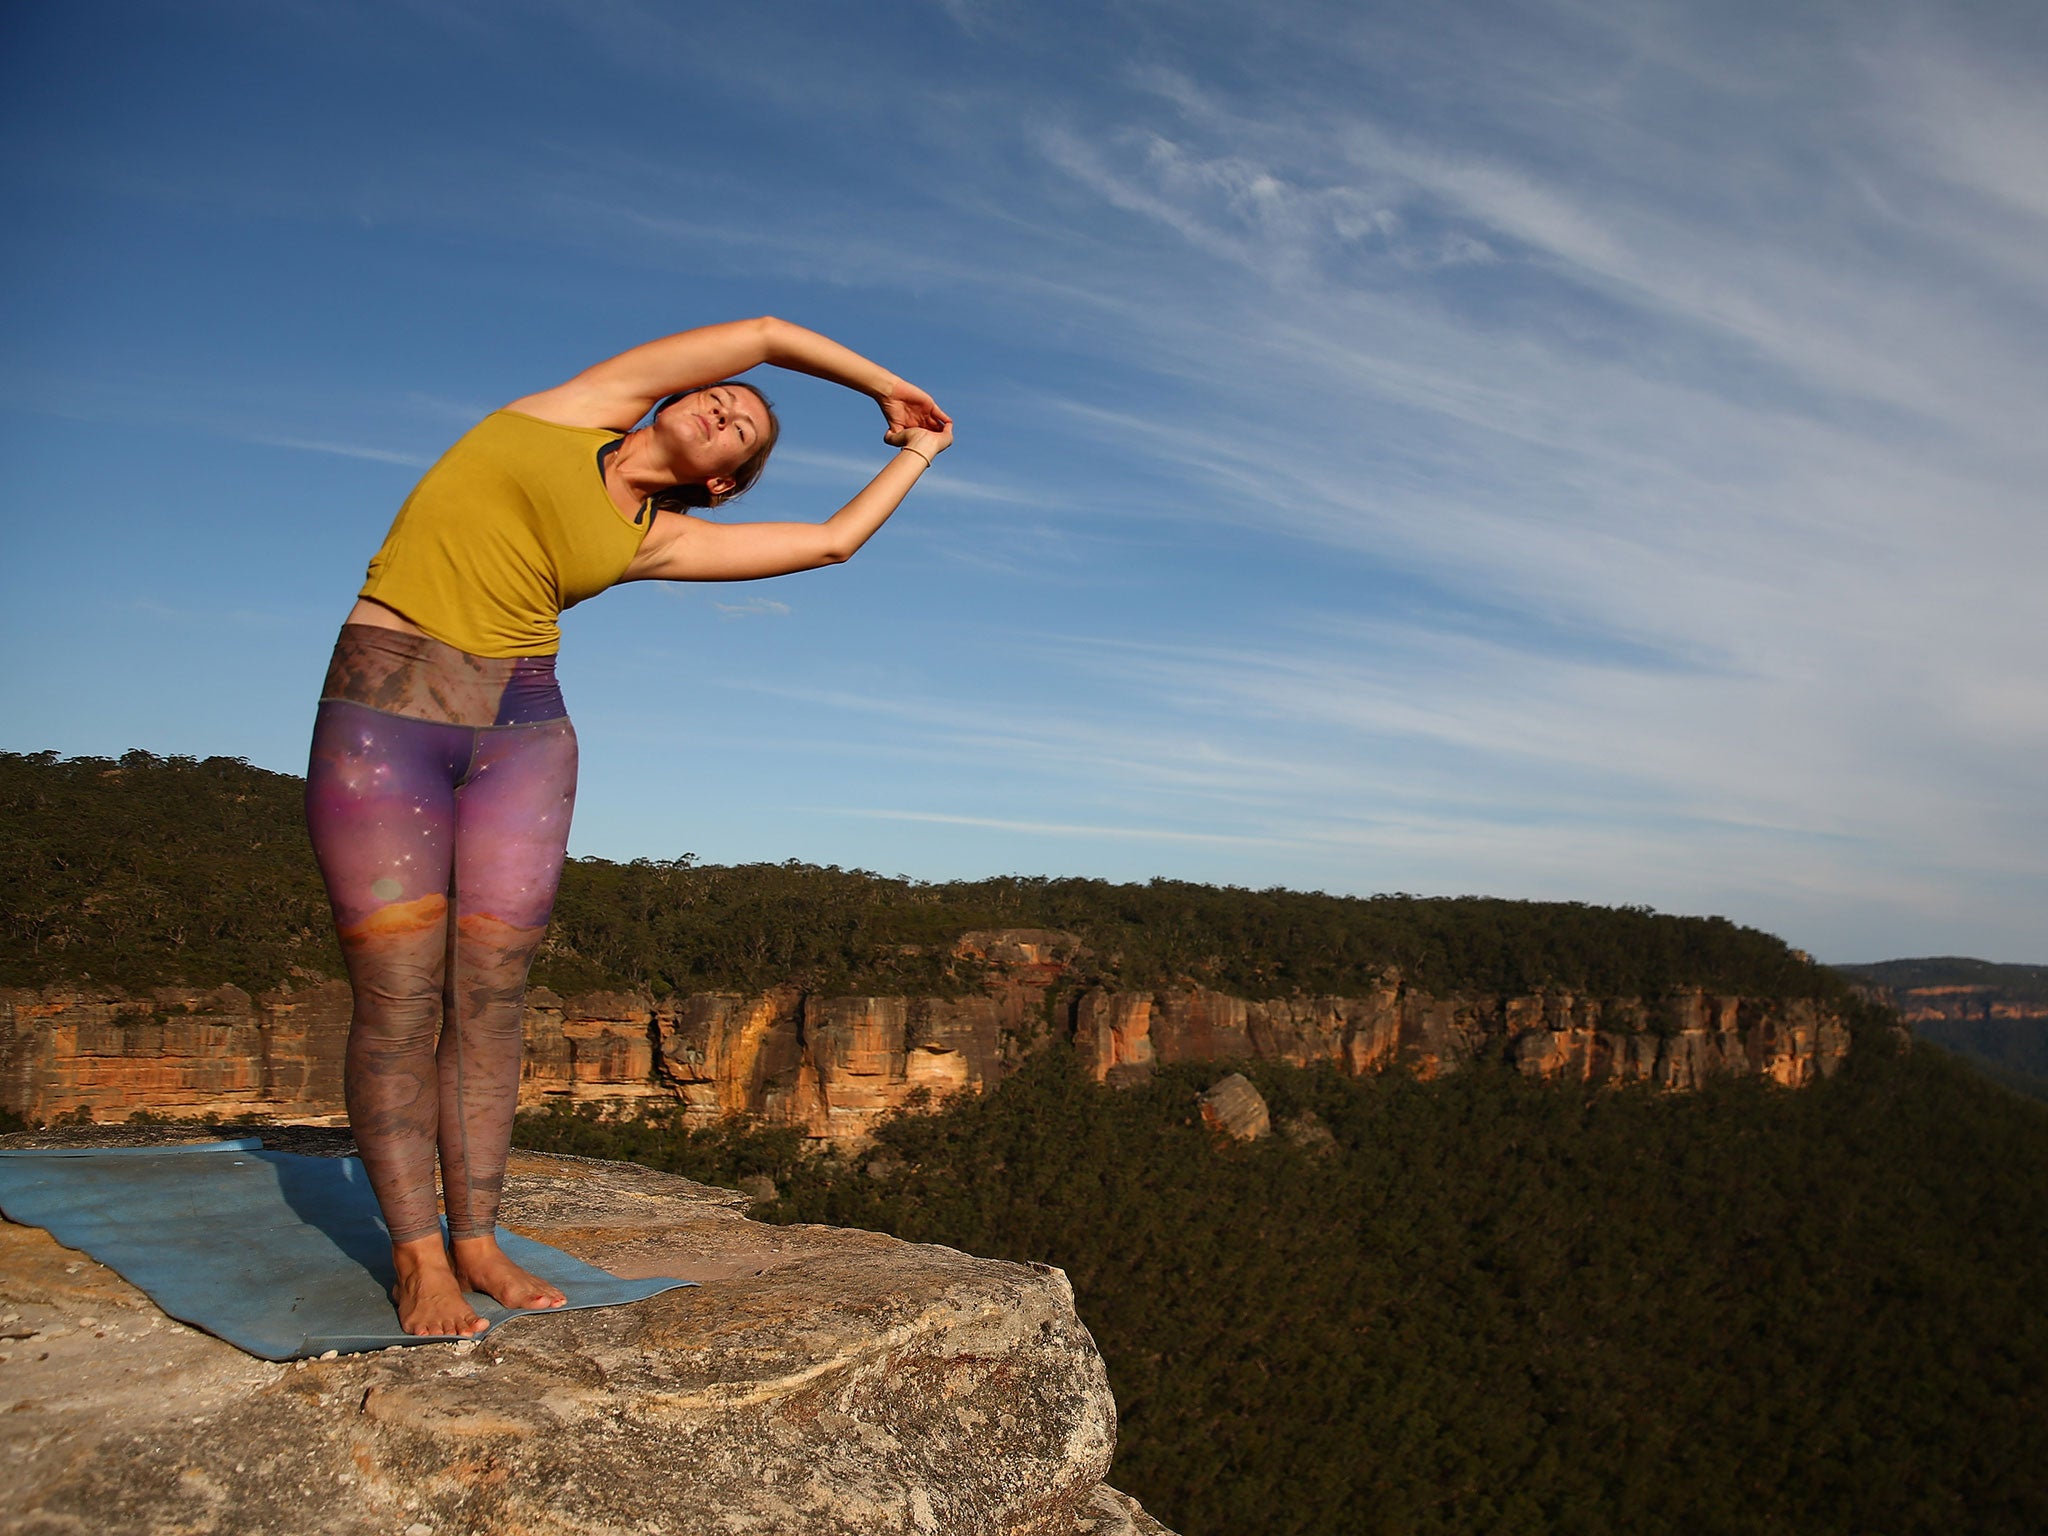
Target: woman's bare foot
<point>481,1265</point>
<point>430,1302</point>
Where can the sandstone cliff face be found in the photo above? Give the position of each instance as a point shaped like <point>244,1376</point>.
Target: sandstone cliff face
<point>1676,1042</point>
<point>815,1383</point>
<point>833,1065</point>
<point>175,1052</point>
<point>1958,1004</point>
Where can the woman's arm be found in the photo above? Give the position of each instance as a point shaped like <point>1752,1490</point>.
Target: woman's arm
<point>681,548</point>
<point>620,390</point>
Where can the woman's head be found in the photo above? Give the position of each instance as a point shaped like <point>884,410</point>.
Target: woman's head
<point>718,438</point>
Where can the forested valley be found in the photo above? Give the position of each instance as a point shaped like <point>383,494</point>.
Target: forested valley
<point>1482,1304</point>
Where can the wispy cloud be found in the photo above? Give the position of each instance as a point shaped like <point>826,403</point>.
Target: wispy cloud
<point>341,450</point>
<point>1737,430</point>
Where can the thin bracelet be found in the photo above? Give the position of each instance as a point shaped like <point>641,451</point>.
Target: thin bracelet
<point>906,448</point>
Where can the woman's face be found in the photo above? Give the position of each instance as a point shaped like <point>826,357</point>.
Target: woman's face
<point>709,433</point>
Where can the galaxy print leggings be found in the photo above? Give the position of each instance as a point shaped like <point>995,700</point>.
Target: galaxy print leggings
<point>438,796</point>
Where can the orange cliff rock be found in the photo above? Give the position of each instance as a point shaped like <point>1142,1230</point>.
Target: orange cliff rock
<point>177,1051</point>
<point>1956,1003</point>
<point>833,1065</point>
<point>1675,1042</point>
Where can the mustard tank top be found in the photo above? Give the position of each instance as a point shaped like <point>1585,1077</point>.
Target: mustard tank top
<point>510,527</point>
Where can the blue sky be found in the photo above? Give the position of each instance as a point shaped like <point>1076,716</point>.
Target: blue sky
<point>1557,449</point>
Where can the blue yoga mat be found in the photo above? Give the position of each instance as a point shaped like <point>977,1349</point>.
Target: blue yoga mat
<point>281,1255</point>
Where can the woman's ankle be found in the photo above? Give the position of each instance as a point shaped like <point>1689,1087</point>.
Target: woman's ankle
<point>428,1252</point>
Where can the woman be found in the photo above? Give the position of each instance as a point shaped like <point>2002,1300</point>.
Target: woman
<point>444,766</point>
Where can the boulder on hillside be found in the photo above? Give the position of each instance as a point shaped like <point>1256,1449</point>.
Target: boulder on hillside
<point>1234,1107</point>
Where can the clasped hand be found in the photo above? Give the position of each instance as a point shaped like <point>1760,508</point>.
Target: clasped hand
<point>915,420</point>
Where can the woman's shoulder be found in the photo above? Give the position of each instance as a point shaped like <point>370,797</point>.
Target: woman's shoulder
<point>572,408</point>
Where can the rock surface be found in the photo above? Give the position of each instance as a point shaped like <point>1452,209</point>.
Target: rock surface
<point>1237,1109</point>
<point>1958,1003</point>
<point>834,1065</point>
<point>816,1381</point>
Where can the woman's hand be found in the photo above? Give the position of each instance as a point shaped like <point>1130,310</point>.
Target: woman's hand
<point>904,405</point>
<point>925,440</point>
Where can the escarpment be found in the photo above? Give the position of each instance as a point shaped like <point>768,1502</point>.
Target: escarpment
<point>832,1065</point>
<point>1963,1003</point>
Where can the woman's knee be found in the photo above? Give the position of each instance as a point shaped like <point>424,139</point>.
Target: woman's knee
<point>398,1006</point>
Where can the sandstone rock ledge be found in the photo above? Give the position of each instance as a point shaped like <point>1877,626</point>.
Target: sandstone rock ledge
<point>816,1381</point>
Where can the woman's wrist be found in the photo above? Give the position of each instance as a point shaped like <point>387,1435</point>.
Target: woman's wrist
<point>906,448</point>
